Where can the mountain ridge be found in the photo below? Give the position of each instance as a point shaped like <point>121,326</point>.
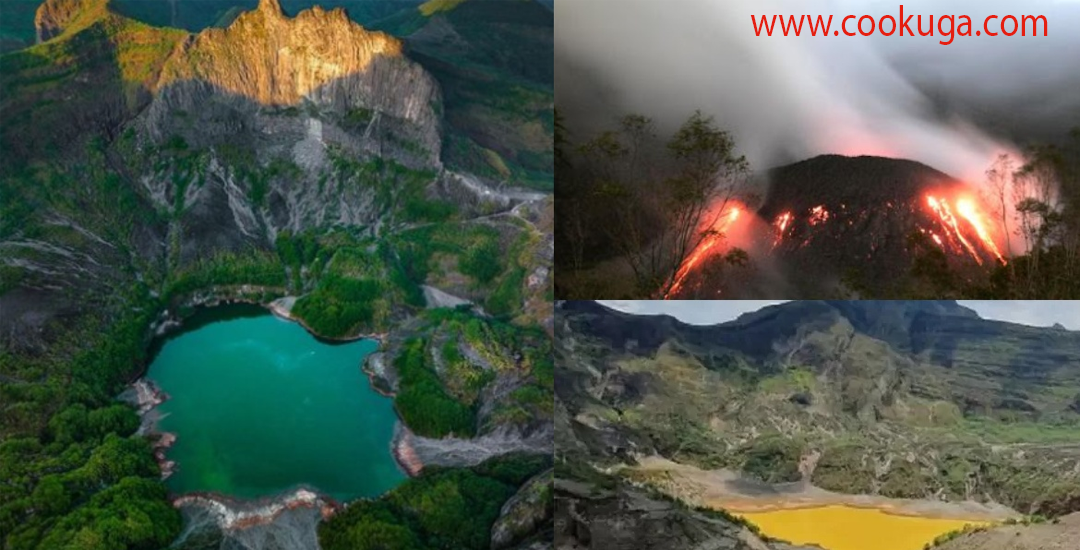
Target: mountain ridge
<point>909,401</point>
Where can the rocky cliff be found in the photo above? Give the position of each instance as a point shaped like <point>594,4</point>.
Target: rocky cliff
<point>219,141</point>
<point>526,518</point>
<point>53,17</point>
<point>625,518</point>
<point>319,61</point>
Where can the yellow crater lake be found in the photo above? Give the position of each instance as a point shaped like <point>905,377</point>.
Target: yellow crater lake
<point>850,528</point>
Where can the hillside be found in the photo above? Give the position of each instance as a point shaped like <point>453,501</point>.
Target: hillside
<point>1058,535</point>
<point>836,226</point>
<point>912,400</point>
<point>838,211</point>
<point>294,160</point>
<point>619,517</point>
<point>491,57</point>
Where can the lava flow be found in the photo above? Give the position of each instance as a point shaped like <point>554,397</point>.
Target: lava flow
<point>716,234</point>
<point>782,222</point>
<point>967,211</point>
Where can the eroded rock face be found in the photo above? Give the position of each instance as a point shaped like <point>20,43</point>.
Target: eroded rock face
<point>220,81</point>
<point>278,60</point>
<point>587,517</point>
<point>54,16</point>
<point>292,100</point>
<point>525,514</point>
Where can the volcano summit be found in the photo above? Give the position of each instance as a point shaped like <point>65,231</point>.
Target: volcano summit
<point>865,221</point>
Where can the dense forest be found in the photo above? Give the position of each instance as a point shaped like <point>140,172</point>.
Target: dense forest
<point>74,474</point>
<point>441,509</point>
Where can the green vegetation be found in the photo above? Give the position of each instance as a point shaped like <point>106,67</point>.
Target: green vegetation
<point>437,402</point>
<point>475,250</point>
<point>440,509</point>
<point>340,306</point>
<point>357,290</point>
<point>794,379</point>
<point>256,267</point>
<point>399,190</point>
<point>422,401</point>
<point>431,7</point>
<point>495,343</point>
<point>462,379</point>
<point>481,262</point>
<point>772,458</point>
<point>74,475</point>
<point>297,253</point>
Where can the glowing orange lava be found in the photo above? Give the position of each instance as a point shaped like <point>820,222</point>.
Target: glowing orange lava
<point>969,213</point>
<point>781,223</point>
<point>818,214</point>
<point>941,208</point>
<point>967,210</point>
<point>703,250</point>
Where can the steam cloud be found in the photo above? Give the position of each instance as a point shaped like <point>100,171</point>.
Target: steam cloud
<point>953,107</point>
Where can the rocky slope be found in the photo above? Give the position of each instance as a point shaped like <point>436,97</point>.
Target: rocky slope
<point>218,142</point>
<point>901,399</point>
<point>526,518</point>
<point>625,518</point>
<point>1059,535</point>
<point>54,17</point>
<point>319,59</point>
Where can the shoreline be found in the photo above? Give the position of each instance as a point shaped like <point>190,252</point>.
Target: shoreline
<point>727,490</point>
<point>231,512</point>
<point>885,508</point>
<point>404,454</point>
<point>281,311</point>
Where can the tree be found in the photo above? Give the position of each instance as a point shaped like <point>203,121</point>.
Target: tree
<point>999,179</point>
<point>1039,209</point>
<point>684,188</point>
<point>560,142</point>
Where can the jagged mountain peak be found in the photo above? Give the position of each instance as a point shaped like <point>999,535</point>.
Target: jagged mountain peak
<point>55,17</point>
<point>270,6</point>
<point>277,60</point>
<point>320,58</point>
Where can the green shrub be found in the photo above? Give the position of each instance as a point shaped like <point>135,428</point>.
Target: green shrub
<point>422,401</point>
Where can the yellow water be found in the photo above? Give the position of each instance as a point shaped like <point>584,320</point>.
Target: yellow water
<point>848,528</point>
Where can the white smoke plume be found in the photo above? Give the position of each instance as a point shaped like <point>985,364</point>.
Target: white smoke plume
<point>953,107</point>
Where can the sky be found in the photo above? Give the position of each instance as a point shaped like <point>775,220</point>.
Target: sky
<point>704,312</point>
<point>786,99</point>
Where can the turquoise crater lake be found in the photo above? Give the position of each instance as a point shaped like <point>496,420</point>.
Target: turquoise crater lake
<point>260,406</point>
